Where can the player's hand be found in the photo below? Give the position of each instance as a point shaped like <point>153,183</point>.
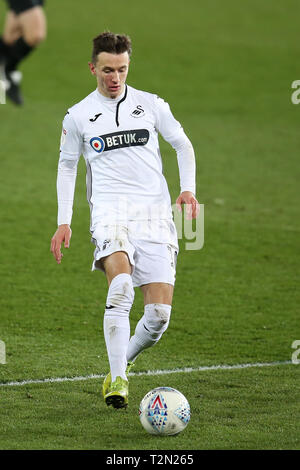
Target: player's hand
<point>191,203</point>
<point>62,235</point>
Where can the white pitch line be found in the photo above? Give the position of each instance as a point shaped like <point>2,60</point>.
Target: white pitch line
<point>147,373</point>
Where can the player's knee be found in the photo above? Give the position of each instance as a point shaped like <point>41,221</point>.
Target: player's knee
<point>34,38</point>
<point>157,319</point>
<point>10,37</point>
<point>120,294</point>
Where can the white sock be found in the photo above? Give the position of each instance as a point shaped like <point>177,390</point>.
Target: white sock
<point>149,329</point>
<point>116,323</point>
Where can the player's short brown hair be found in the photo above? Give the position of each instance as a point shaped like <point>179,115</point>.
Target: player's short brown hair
<point>110,42</point>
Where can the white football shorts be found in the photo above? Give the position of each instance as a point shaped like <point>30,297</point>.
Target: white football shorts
<point>151,246</point>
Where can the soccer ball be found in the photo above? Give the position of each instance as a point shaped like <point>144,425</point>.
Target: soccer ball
<point>165,411</point>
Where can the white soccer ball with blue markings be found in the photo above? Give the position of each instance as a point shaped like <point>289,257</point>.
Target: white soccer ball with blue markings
<point>165,411</point>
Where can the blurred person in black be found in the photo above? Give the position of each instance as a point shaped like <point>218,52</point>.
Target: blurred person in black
<point>24,29</point>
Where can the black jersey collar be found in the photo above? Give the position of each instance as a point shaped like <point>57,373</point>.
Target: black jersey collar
<point>118,106</point>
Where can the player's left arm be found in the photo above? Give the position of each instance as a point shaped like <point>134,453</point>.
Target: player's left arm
<point>188,199</point>
<point>172,132</point>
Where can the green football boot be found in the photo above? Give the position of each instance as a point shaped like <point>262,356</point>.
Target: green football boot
<point>106,384</point>
<point>107,381</point>
<point>117,395</point>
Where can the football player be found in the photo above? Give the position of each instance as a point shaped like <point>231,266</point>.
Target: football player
<point>116,129</point>
<point>24,29</point>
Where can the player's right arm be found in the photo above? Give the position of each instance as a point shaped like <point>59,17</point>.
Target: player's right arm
<point>70,151</point>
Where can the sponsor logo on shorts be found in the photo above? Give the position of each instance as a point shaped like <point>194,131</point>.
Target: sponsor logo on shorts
<point>117,140</point>
<point>106,244</point>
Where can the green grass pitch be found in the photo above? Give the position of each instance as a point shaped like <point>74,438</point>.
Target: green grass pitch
<point>226,68</point>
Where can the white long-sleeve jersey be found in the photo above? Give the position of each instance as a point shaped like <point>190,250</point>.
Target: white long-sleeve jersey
<point>119,141</point>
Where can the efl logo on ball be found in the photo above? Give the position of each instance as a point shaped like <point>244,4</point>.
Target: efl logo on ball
<point>165,411</point>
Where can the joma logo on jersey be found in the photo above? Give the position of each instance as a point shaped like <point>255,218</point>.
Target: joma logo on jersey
<point>117,140</point>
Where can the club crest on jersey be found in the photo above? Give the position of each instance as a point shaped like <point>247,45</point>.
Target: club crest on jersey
<point>98,144</point>
<point>138,112</point>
